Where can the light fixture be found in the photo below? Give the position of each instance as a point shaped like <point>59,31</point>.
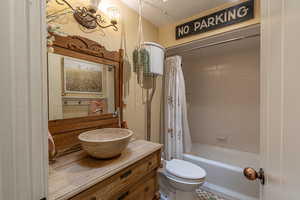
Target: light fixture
<point>94,4</point>
<point>114,14</point>
<point>88,17</point>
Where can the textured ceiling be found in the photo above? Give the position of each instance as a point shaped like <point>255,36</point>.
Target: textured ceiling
<point>162,12</point>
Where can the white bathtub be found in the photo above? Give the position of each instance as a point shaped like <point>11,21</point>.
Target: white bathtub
<point>224,169</point>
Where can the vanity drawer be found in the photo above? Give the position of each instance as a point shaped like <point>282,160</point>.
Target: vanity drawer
<point>144,190</point>
<point>124,179</point>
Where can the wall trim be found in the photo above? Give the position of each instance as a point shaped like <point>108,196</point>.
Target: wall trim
<point>23,142</point>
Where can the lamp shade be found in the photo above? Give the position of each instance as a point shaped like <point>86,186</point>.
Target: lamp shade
<point>113,13</point>
<point>94,4</point>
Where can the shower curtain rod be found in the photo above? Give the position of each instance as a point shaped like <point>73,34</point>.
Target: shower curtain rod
<point>217,43</point>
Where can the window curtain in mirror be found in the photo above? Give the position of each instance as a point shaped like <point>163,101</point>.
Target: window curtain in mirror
<point>176,133</point>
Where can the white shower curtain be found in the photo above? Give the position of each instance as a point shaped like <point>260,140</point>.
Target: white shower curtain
<point>176,133</point>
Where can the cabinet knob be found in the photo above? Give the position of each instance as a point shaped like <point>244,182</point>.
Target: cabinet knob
<point>149,165</point>
<point>126,174</point>
<point>123,196</point>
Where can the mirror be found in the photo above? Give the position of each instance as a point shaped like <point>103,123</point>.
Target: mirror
<point>85,89</point>
<point>79,88</point>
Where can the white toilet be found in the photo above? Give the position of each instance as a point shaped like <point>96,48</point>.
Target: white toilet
<point>179,179</point>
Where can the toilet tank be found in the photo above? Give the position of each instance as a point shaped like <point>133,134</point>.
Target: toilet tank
<point>157,57</point>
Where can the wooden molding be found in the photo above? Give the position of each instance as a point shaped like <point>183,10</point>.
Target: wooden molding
<point>24,122</point>
<point>84,46</point>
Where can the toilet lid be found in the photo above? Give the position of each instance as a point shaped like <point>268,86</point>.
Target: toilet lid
<point>184,169</point>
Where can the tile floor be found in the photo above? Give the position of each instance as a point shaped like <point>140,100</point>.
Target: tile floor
<point>204,195</point>
<point>200,194</point>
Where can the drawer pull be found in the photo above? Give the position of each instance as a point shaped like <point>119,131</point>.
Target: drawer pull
<point>149,167</point>
<point>126,174</point>
<point>146,189</point>
<point>123,196</point>
<point>93,198</point>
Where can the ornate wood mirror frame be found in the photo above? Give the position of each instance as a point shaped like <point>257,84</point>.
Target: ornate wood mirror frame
<point>65,131</point>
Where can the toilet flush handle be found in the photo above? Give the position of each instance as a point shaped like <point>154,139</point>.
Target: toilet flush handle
<point>251,174</point>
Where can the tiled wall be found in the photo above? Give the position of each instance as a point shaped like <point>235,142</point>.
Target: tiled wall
<point>223,95</point>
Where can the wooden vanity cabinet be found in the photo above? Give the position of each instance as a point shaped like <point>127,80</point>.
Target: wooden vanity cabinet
<point>138,181</point>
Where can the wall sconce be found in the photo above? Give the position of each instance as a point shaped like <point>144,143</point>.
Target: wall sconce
<point>114,14</point>
<point>88,17</point>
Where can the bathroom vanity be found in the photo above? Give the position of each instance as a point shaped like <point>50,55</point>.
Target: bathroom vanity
<point>133,175</point>
<point>85,93</point>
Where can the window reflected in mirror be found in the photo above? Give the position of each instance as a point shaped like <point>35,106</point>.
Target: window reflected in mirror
<point>78,88</point>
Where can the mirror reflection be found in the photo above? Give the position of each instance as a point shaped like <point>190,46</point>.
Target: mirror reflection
<point>78,88</point>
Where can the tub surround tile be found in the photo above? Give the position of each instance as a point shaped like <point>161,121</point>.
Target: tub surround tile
<point>223,95</point>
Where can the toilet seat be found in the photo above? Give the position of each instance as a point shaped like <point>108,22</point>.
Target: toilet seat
<point>184,181</point>
<point>185,171</point>
<point>181,175</point>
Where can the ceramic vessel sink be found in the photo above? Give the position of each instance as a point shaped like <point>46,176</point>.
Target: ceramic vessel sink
<point>105,143</point>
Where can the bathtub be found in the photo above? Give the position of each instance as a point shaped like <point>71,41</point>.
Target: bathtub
<point>224,169</point>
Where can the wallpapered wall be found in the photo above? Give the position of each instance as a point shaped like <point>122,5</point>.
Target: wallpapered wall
<point>134,112</point>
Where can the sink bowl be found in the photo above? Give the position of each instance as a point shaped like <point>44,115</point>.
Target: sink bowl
<point>105,143</point>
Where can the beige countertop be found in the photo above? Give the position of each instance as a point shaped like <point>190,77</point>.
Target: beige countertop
<point>76,172</point>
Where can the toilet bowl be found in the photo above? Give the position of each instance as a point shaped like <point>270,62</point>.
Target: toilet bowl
<point>179,177</point>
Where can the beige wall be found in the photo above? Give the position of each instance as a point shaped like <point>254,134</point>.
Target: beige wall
<point>167,33</point>
<point>134,113</point>
<point>223,95</point>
